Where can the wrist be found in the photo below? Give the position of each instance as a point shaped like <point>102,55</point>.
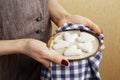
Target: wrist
<point>64,18</point>
<point>19,45</point>
<point>23,45</point>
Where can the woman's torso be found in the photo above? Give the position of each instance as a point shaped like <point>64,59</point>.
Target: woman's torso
<point>22,19</point>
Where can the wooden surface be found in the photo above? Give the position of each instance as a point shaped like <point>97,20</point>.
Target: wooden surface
<point>105,13</point>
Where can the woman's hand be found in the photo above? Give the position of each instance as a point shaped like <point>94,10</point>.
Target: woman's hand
<point>39,51</point>
<point>33,48</point>
<point>80,20</point>
<point>59,16</point>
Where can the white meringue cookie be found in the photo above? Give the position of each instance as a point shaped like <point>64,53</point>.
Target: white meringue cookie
<point>72,51</point>
<point>85,37</point>
<point>69,37</point>
<point>60,44</point>
<point>86,47</point>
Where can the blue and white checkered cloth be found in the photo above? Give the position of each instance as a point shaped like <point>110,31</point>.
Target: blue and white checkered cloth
<point>86,69</point>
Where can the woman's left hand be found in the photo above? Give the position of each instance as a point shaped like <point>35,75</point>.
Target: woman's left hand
<point>80,20</point>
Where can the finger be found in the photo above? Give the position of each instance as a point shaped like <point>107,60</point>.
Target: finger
<point>93,26</point>
<point>103,47</point>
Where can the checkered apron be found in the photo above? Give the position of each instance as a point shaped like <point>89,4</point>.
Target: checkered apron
<point>85,69</point>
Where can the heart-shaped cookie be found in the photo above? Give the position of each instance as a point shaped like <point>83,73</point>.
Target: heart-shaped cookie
<point>60,44</point>
<point>85,37</point>
<point>72,51</point>
<point>86,47</point>
<point>69,37</point>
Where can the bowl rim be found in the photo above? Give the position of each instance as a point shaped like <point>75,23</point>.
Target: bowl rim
<point>95,35</point>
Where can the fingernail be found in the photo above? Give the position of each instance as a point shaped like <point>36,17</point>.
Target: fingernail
<point>64,62</point>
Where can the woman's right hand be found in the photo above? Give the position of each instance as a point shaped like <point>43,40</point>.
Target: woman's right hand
<point>38,50</point>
